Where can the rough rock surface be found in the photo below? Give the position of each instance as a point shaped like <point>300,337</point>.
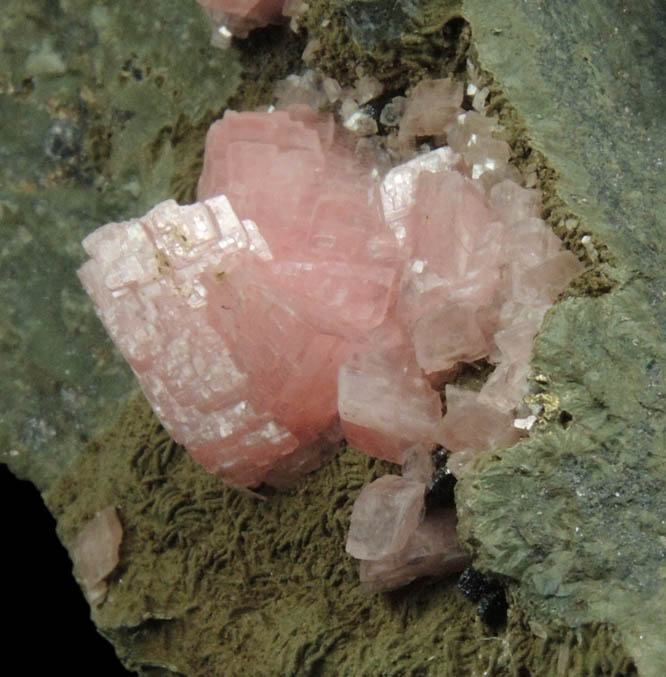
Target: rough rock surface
<point>577,514</point>
<point>204,565</point>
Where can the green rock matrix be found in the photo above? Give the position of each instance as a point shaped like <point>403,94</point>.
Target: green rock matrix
<point>577,513</point>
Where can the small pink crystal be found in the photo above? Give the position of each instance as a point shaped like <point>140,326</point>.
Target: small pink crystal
<point>430,107</point>
<point>484,157</point>
<point>241,16</point>
<point>95,552</point>
<point>385,514</point>
<point>391,536</point>
<point>418,465</point>
<point>433,549</point>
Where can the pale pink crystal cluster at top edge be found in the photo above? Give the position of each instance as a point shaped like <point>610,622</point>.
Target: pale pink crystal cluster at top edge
<point>305,298</point>
<point>241,16</point>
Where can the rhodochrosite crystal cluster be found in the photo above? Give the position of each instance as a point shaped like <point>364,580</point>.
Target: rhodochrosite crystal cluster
<point>239,17</point>
<point>394,538</point>
<point>305,298</point>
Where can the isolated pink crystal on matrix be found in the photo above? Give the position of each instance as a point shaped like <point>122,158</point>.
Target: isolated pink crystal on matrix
<point>433,549</point>
<point>393,536</point>
<point>95,552</point>
<point>385,514</point>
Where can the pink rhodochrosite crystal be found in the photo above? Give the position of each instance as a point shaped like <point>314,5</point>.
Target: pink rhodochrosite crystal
<point>308,296</point>
<point>430,106</point>
<point>302,289</point>
<point>241,16</point>
<point>385,403</point>
<point>95,552</point>
<point>385,514</point>
<point>432,549</point>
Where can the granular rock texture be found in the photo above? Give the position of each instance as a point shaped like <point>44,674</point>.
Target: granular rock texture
<point>212,581</point>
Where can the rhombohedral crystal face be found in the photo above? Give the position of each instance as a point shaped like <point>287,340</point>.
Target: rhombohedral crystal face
<point>306,297</point>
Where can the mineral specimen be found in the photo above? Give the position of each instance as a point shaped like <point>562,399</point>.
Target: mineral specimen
<point>304,298</point>
<point>386,513</point>
<point>301,288</point>
<point>433,549</point>
<point>394,537</point>
<point>430,106</point>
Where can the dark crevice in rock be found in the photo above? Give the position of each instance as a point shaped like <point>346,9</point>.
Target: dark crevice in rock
<point>267,55</point>
<point>431,41</point>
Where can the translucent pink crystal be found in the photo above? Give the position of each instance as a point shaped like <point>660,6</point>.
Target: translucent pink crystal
<point>161,317</point>
<point>241,16</point>
<point>302,297</point>
<point>393,539</point>
<point>305,298</point>
<point>385,514</point>
<point>95,552</point>
<point>418,465</point>
<point>386,404</point>
<point>448,335</point>
<point>484,157</point>
<point>433,549</point>
<point>473,425</point>
<point>430,107</point>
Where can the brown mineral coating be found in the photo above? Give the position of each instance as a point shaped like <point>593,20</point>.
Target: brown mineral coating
<point>212,581</point>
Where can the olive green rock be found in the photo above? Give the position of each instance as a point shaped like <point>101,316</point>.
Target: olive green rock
<point>577,513</point>
<point>103,110</point>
